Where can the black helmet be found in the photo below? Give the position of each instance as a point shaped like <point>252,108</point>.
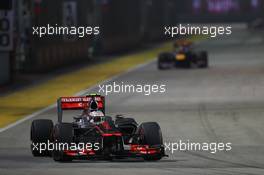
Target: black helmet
<point>93,105</point>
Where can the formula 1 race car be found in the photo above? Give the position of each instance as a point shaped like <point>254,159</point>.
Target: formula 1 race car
<point>183,56</point>
<point>94,135</point>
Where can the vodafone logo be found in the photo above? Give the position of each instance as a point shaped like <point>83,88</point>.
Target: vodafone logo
<point>76,99</point>
<point>79,99</point>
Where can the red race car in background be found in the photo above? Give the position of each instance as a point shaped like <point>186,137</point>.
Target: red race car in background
<point>184,55</point>
<point>94,135</point>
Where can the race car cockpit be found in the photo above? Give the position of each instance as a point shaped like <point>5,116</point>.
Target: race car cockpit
<point>91,115</point>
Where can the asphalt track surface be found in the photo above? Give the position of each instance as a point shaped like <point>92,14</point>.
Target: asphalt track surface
<point>224,103</point>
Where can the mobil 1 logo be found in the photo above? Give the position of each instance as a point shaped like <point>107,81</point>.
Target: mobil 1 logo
<point>6,30</point>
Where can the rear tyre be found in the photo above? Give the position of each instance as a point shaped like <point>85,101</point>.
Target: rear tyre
<point>160,66</point>
<point>203,60</point>
<point>165,60</point>
<point>40,133</point>
<point>63,134</point>
<point>150,134</point>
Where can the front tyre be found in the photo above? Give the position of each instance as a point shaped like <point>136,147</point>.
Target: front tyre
<point>40,133</point>
<point>150,134</point>
<point>165,61</point>
<point>63,134</point>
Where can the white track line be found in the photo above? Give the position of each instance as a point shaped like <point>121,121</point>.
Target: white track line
<point>78,94</point>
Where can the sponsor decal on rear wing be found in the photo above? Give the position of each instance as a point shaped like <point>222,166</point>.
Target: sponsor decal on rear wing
<point>79,103</point>
<point>74,103</point>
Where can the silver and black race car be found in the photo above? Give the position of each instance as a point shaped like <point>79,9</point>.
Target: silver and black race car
<point>95,136</point>
<point>184,56</point>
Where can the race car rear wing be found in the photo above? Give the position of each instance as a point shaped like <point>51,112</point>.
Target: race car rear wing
<point>79,103</point>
